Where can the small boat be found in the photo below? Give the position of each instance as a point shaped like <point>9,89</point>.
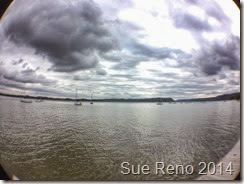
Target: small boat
<point>77,102</point>
<point>25,100</point>
<point>38,100</point>
<point>91,102</point>
<point>159,103</point>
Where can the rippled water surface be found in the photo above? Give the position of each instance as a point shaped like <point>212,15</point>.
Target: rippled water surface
<point>60,141</point>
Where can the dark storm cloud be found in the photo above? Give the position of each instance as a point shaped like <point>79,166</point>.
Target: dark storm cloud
<point>214,56</point>
<point>70,34</point>
<point>75,45</point>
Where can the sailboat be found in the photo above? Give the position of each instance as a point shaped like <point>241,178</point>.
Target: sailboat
<point>159,103</point>
<point>38,99</point>
<point>91,102</point>
<point>77,102</point>
<point>25,100</point>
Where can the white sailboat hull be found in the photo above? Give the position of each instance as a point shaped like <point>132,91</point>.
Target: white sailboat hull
<point>26,101</point>
<point>38,100</point>
<point>77,103</point>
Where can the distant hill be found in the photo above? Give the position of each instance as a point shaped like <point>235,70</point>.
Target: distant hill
<point>95,100</point>
<point>233,96</point>
<point>139,100</point>
<point>36,97</point>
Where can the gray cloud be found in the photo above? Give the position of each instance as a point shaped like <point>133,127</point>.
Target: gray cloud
<point>80,77</point>
<point>137,52</point>
<point>75,45</point>
<point>234,82</point>
<point>101,71</point>
<point>30,70</point>
<point>193,1</point>
<point>11,84</point>
<point>28,78</point>
<point>24,65</point>
<point>185,20</point>
<point>14,62</point>
<point>27,75</point>
<point>214,10</point>
<point>214,56</point>
<point>70,40</point>
<point>152,52</point>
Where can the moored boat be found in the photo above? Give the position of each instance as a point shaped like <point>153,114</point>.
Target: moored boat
<point>24,100</point>
<point>77,101</point>
<point>159,102</point>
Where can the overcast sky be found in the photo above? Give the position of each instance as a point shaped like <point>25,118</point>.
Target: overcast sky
<point>120,48</point>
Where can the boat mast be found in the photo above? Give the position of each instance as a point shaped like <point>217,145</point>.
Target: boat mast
<point>76,94</point>
<point>24,94</point>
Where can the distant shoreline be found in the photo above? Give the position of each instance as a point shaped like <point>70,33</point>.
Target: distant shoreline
<point>224,97</point>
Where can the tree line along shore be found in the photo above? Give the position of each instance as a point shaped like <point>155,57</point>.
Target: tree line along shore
<point>224,97</point>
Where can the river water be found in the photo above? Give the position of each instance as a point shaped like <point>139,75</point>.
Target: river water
<point>60,141</point>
